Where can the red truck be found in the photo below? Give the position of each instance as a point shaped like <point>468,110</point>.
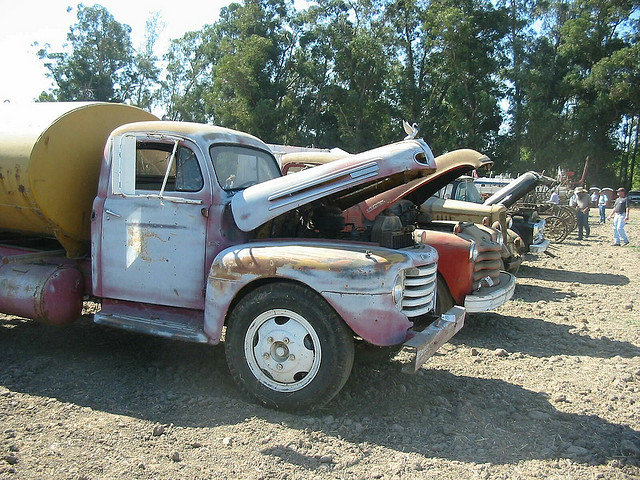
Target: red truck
<point>191,232</point>
<point>472,257</point>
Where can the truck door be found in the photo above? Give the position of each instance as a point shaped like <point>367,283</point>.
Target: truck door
<point>154,222</point>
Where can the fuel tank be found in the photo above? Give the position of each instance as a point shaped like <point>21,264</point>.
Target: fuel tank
<point>50,156</point>
<point>50,294</point>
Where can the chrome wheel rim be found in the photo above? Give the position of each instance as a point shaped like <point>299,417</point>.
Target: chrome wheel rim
<point>282,350</point>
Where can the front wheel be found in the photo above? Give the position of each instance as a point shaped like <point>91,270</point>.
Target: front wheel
<point>287,348</point>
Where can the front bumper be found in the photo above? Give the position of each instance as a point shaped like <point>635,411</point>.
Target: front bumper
<point>539,247</point>
<point>512,264</point>
<point>425,343</point>
<point>488,298</point>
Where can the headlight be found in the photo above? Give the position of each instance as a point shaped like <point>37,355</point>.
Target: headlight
<point>473,251</point>
<point>397,292</point>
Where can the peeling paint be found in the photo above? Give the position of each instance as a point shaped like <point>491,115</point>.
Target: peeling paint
<point>138,243</point>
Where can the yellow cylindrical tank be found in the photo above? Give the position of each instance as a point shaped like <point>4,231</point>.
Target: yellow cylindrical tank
<point>50,156</point>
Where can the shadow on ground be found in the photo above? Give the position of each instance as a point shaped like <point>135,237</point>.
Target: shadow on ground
<point>536,337</point>
<point>569,276</point>
<point>434,413</point>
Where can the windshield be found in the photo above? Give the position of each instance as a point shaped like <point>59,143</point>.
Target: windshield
<point>468,192</point>
<point>240,167</point>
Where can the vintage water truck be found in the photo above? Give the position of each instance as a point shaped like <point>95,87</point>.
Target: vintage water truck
<point>191,232</point>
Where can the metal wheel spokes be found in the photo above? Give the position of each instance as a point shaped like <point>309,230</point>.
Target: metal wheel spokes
<point>568,215</point>
<point>555,229</point>
<point>283,350</point>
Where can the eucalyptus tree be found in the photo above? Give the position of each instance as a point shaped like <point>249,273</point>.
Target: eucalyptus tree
<point>345,57</point>
<point>520,19</point>
<point>253,75</point>
<point>188,76</point>
<point>616,81</point>
<point>97,61</point>
<point>142,81</point>
<point>455,72</point>
<point>570,114</point>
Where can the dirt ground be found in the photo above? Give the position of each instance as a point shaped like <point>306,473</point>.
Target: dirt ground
<point>548,386</point>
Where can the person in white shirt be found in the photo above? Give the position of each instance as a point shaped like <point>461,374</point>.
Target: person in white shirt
<point>602,205</point>
<point>555,197</point>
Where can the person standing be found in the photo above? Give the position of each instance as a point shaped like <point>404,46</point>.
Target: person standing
<point>620,217</point>
<point>602,205</point>
<point>574,198</point>
<point>594,197</point>
<point>582,204</point>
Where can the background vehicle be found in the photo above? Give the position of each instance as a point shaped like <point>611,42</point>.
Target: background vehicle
<point>526,218</point>
<point>181,229</point>
<point>529,229</point>
<point>634,197</point>
<point>469,269</point>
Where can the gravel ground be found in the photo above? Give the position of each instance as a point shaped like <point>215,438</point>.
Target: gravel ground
<point>548,386</point>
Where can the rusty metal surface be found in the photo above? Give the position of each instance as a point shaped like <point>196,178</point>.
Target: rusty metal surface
<point>51,294</point>
<point>202,134</point>
<point>518,188</point>
<point>425,343</point>
<point>348,275</point>
<point>50,155</point>
<point>491,297</point>
<point>456,210</point>
<point>152,251</point>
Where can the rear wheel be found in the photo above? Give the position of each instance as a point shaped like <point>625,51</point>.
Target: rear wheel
<point>287,348</point>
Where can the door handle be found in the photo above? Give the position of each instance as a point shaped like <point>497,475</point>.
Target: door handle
<point>111,212</point>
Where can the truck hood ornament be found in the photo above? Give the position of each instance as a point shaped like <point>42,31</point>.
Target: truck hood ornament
<point>344,182</point>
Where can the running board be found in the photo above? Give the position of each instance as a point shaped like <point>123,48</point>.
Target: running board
<point>150,326</point>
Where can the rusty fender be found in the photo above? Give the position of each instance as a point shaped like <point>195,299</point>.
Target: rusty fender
<point>356,280</point>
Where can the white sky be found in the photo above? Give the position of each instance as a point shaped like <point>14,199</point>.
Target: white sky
<point>23,22</point>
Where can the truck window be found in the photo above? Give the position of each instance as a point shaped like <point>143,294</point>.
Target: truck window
<point>152,161</point>
<point>444,192</point>
<point>239,167</point>
<point>467,192</point>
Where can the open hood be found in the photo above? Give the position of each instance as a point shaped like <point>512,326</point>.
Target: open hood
<point>518,188</point>
<point>344,182</point>
<point>448,167</point>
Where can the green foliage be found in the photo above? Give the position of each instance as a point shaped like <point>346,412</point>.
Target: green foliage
<point>346,73</point>
<point>99,62</point>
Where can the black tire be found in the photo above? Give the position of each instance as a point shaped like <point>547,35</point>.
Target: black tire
<point>287,348</point>
<point>444,302</point>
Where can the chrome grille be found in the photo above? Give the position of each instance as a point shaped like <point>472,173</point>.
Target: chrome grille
<point>487,265</point>
<point>419,290</point>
